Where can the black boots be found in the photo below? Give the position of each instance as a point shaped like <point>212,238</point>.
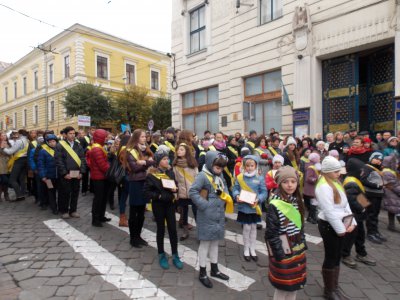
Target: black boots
<point>391,225</point>
<point>216,273</point>
<point>331,282</point>
<point>312,214</point>
<point>204,278</point>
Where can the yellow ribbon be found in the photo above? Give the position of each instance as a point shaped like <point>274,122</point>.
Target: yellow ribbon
<point>354,180</point>
<point>48,149</point>
<point>273,151</point>
<point>224,196</point>
<point>17,155</point>
<point>170,146</point>
<point>71,152</point>
<point>134,153</point>
<point>233,150</point>
<point>185,175</point>
<point>96,145</point>
<point>244,186</point>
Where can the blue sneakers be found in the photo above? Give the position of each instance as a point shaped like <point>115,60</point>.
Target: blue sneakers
<point>177,262</point>
<point>163,261</point>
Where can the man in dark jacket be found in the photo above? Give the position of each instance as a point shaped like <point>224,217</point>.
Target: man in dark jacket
<point>71,164</point>
<point>98,163</point>
<point>354,188</point>
<point>372,180</point>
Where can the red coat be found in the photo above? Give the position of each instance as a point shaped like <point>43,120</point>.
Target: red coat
<point>97,158</point>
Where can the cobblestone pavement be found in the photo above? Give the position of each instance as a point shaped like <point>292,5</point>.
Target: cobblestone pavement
<point>43,257</point>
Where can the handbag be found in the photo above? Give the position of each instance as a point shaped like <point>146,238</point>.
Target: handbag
<point>116,172</point>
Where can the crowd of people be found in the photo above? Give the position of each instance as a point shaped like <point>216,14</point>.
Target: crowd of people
<point>339,183</point>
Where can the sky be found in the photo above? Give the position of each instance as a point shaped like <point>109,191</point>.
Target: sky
<point>144,22</point>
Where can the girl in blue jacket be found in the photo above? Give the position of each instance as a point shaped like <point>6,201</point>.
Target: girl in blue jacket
<point>250,214</point>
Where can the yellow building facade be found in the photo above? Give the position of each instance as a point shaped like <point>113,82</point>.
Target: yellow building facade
<point>33,88</point>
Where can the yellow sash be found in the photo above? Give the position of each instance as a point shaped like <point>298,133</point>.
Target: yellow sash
<point>34,144</point>
<point>17,155</point>
<point>244,186</point>
<point>259,151</point>
<point>96,145</point>
<point>306,160</point>
<point>48,149</point>
<point>87,139</point>
<point>134,153</point>
<point>252,145</point>
<point>315,169</point>
<point>224,196</point>
<point>294,164</point>
<point>155,145</point>
<point>170,146</point>
<point>273,151</point>
<point>230,176</point>
<point>212,148</point>
<point>356,181</point>
<point>185,175</point>
<point>390,171</point>
<point>160,176</point>
<point>233,150</point>
<point>71,152</point>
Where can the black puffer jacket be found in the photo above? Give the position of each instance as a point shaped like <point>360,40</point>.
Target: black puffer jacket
<point>354,167</point>
<point>153,189</point>
<point>372,181</point>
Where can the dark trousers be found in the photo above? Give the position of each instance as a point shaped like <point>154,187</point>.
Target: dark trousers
<point>372,214</point>
<point>332,245</point>
<point>111,186</point>
<point>136,220</point>
<point>123,193</point>
<point>38,191</point>
<point>100,199</point>
<point>49,196</point>
<point>85,182</point>
<point>165,212</point>
<point>18,176</point>
<point>356,237</point>
<point>184,205</point>
<point>68,195</point>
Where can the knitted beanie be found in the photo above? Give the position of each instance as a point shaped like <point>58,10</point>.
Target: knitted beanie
<point>284,173</point>
<point>159,155</point>
<point>330,164</point>
<point>278,158</point>
<point>314,157</point>
<point>334,153</point>
<point>291,141</point>
<point>376,155</point>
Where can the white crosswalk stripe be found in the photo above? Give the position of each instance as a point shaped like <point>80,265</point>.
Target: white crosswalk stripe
<point>112,269</point>
<point>237,280</point>
<point>309,238</point>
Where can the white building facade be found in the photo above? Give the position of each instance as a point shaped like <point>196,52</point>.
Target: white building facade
<point>300,67</point>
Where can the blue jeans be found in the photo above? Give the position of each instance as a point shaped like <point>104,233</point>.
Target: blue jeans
<point>124,195</point>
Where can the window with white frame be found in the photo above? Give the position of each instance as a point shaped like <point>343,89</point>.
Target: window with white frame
<point>24,117</point>
<point>15,90</point>
<point>52,111</point>
<point>102,67</point>
<point>35,117</point>
<point>130,74</point>
<point>197,29</point>
<point>6,94</point>
<point>270,10</point>
<point>15,121</point>
<point>155,80</point>
<point>51,73</point>
<point>24,85</point>
<point>36,80</point>
<point>66,66</point>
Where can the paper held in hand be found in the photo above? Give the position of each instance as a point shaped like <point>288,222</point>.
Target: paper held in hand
<point>168,184</point>
<point>347,221</point>
<point>74,174</point>
<point>247,197</point>
<point>49,184</point>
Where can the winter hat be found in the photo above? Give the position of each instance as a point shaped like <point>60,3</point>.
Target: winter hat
<point>244,151</point>
<point>392,138</point>
<point>40,139</point>
<point>330,164</point>
<point>252,157</point>
<point>334,153</point>
<point>170,130</point>
<point>314,157</point>
<point>278,158</point>
<point>163,148</point>
<point>291,141</point>
<point>367,140</point>
<point>159,155</point>
<point>284,173</point>
<point>389,162</point>
<point>50,137</point>
<point>376,155</point>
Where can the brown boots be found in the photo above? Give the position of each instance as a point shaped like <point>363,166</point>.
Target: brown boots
<point>331,282</point>
<point>123,222</point>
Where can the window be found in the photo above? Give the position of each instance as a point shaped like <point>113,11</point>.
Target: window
<point>15,121</point>
<point>155,80</point>
<point>102,67</point>
<point>66,66</point>
<point>35,115</point>
<point>24,85</point>
<point>51,70</point>
<point>130,74</point>
<point>270,10</point>
<point>52,111</point>
<point>262,87</point>
<point>15,90</point>
<point>24,117</point>
<point>197,29</point>
<point>200,110</point>
<point>266,115</point>
<point>36,80</point>
<point>6,94</point>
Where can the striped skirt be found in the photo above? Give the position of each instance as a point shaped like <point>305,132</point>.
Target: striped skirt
<point>288,274</point>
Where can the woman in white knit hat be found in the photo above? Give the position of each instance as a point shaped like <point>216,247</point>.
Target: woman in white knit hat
<point>334,222</point>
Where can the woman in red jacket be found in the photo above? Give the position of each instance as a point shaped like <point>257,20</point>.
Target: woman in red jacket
<point>98,163</point>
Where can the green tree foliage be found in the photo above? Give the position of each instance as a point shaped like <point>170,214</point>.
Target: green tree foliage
<point>161,113</point>
<point>87,99</point>
<point>133,107</point>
